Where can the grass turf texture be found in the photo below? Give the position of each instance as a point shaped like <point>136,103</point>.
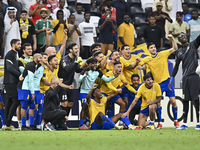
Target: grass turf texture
<point>164,139</point>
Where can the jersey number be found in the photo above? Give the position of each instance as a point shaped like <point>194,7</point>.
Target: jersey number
<point>28,97</point>
<point>64,97</point>
<point>84,100</point>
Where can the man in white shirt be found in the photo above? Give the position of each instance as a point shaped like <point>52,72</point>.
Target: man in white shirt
<point>79,14</point>
<point>88,36</point>
<point>65,10</point>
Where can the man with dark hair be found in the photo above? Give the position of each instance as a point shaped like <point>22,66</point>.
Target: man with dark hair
<point>194,25</point>
<point>131,96</point>
<point>59,25</point>
<point>158,66</point>
<point>54,117</point>
<point>121,7</point>
<point>186,16</point>
<point>161,17</point>
<point>179,26</point>
<point>116,85</point>
<point>27,31</point>
<point>17,5</point>
<point>87,80</point>
<point>69,64</point>
<point>11,78</point>
<point>126,32</point>
<point>152,30</point>
<point>106,28</point>
<point>86,4</point>
<point>88,36</point>
<point>151,96</point>
<point>66,12</point>
<point>191,82</point>
<point>79,14</point>
<point>96,46</point>
<point>97,104</point>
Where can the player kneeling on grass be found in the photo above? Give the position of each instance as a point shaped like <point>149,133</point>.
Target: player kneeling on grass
<point>151,96</point>
<point>96,108</point>
<point>54,117</point>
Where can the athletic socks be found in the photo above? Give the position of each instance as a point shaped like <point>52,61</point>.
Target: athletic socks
<point>81,122</point>
<point>27,114</point>
<point>151,122</point>
<point>126,121</point>
<point>107,120</point>
<point>174,110</point>
<point>159,115</point>
<point>39,115</point>
<point>32,119</point>
<point>19,123</point>
<point>2,117</point>
<point>23,121</point>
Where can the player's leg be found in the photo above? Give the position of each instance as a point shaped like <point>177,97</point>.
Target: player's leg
<point>133,113</point>
<point>31,114</point>
<point>196,104</point>
<point>142,121</point>
<point>63,99</point>
<point>83,110</point>
<point>122,104</point>
<point>159,115</point>
<point>152,111</point>
<point>18,112</point>
<point>2,113</point>
<point>185,115</point>
<point>109,109</point>
<point>24,106</point>
<point>174,110</point>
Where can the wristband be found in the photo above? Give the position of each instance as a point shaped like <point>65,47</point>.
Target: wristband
<point>142,68</point>
<point>171,79</point>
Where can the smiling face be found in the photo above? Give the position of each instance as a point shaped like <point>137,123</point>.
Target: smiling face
<point>28,50</point>
<point>149,82</point>
<point>54,62</point>
<point>99,57</point>
<point>43,14</point>
<point>93,66</point>
<point>152,49</point>
<point>135,81</point>
<point>115,56</point>
<point>74,51</point>
<point>98,94</point>
<point>182,38</point>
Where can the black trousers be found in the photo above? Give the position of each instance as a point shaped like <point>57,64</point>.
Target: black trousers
<point>11,102</point>
<point>86,53</point>
<point>55,117</point>
<point>133,113</point>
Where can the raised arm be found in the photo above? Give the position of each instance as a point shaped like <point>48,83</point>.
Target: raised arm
<point>174,45</point>
<point>63,42</point>
<point>104,61</point>
<point>90,93</point>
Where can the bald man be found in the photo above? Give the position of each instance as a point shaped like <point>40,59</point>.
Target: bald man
<point>54,117</point>
<point>26,95</point>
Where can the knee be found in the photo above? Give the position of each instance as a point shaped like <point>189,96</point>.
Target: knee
<point>24,105</point>
<point>64,104</point>
<point>152,107</point>
<point>1,105</point>
<point>63,113</point>
<point>70,104</point>
<point>36,106</point>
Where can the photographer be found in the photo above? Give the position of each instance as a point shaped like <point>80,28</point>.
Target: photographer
<point>106,26</point>
<point>59,25</point>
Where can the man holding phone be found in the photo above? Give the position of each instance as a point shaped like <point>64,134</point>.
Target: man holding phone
<point>59,25</point>
<point>32,11</point>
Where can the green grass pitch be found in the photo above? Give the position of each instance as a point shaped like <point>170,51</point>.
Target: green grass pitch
<point>164,139</point>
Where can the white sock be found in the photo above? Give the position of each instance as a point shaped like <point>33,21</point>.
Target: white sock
<point>38,126</point>
<point>198,123</point>
<point>185,124</point>
<point>19,123</point>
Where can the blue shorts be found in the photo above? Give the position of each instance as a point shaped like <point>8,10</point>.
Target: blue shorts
<point>114,99</point>
<point>164,88</point>
<point>83,98</point>
<point>146,110</point>
<point>24,95</point>
<point>1,99</point>
<point>39,97</point>
<point>25,104</point>
<point>105,126</point>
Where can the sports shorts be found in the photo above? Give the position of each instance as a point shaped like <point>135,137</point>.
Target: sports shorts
<point>114,99</point>
<point>83,98</point>
<point>164,88</point>
<point>145,111</point>
<point>105,126</point>
<point>66,95</point>
<point>191,87</point>
<point>39,97</point>
<point>24,95</point>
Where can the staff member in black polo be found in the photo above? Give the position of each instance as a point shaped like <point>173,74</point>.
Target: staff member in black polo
<point>11,78</point>
<point>54,117</point>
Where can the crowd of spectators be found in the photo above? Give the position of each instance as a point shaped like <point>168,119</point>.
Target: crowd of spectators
<point>117,23</point>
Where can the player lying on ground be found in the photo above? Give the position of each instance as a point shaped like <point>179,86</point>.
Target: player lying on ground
<point>97,107</point>
<point>151,96</point>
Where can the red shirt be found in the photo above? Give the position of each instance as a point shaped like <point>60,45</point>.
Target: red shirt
<point>113,11</point>
<point>36,17</point>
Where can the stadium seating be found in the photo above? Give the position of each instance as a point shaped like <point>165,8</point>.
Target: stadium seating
<point>71,8</point>
<point>147,3</point>
<point>137,12</point>
<point>148,10</point>
<point>136,3</point>
<point>71,2</point>
<point>139,21</point>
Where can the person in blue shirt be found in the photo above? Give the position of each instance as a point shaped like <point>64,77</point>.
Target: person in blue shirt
<point>3,8</point>
<point>186,16</point>
<point>135,79</point>
<point>26,95</point>
<point>87,80</point>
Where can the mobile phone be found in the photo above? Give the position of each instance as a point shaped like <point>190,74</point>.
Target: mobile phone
<point>108,16</point>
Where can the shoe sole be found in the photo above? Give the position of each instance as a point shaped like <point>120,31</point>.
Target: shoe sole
<point>181,129</point>
<point>49,129</point>
<point>197,128</point>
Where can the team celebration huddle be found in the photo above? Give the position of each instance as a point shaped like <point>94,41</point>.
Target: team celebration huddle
<point>42,56</point>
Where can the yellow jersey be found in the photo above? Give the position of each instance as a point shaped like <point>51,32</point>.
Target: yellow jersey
<point>49,74</point>
<point>110,87</point>
<point>148,94</point>
<point>95,107</point>
<point>129,72</point>
<point>158,66</point>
